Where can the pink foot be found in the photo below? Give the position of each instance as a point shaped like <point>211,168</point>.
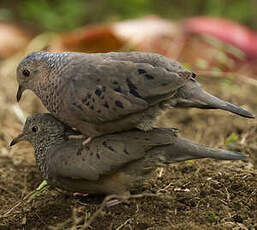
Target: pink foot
<point>85,142</point>
<point>79,194</point>
<point>113,202</point>
<point>76,136</point>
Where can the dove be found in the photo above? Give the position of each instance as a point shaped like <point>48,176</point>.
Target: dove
<point>110,92</point>
<point>111,163</point>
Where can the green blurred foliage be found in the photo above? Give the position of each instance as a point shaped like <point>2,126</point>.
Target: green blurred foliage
<point>232,140</point>
<point>59,15</point>
<point>54,15</point>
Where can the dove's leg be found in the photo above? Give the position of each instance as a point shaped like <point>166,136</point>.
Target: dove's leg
<point>76,136</point>
<point>113,202</point>
<point>79,194</point>
<point>117,199</point>
<point>85,142</point>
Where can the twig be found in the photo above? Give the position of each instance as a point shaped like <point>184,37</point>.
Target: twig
<point>124,224</point>
<point>43,186</point>
<point>18,204</point>
<point>164,189</point>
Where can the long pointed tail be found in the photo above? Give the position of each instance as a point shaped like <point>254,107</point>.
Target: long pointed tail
<point>191,95</point>
<point>183,149</point>
<point>211,102</point>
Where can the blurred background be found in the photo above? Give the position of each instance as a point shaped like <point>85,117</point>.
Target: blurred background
<point>64,15</point>
<point>215,35</point>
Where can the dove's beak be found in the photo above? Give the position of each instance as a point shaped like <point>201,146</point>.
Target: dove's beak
<point>19,93</point>
<point>17,139</point>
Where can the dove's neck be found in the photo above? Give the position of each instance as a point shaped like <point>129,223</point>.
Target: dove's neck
<point>48,91</point>
<point>41,160</point>
<point>43,150</point>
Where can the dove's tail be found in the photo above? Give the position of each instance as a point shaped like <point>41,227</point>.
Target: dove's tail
<point>191,95</point>
<point>183,149</point>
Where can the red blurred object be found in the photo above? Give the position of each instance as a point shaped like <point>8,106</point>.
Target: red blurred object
<point>225,30</point>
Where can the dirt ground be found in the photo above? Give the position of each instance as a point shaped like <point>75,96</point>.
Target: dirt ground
<point>199,194</point>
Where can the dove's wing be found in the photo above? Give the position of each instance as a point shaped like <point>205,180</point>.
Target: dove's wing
<point>111,89</point>
<point>106,154</point>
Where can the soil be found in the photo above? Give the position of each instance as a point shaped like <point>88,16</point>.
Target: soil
<point>198,194</point>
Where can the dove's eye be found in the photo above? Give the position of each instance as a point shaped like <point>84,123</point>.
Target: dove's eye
<point>34,129</point>
<point>26,72</point>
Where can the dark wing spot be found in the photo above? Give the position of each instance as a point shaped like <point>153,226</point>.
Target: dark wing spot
<point>111,148</point>
<point>119,104</point>
<point>98,80</point>
<point>92,107</point>
<point>118,89</point>
<point>133,88</point>
<point>97,155</point>
<point>106,105</point>
<point>98,92</point>
<point>148,76</point>
<point>126,151</point>
<point>108,146</point>
<point>141,71</point>
<point>79,150</point>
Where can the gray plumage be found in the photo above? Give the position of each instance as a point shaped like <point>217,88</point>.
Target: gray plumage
<point>110,164</point>
<point>110,92</point>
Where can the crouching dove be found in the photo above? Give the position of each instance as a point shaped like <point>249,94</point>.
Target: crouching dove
<point>110,164</point>
<point>111,92</point>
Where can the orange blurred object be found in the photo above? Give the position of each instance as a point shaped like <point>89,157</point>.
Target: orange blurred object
<point>91,39</point>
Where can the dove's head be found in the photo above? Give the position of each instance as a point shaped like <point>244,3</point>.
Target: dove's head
<point>34,71</point>
<point>42,129</point>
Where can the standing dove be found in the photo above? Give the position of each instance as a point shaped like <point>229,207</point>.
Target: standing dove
<point>110,92</point>
<point>112,163</point>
